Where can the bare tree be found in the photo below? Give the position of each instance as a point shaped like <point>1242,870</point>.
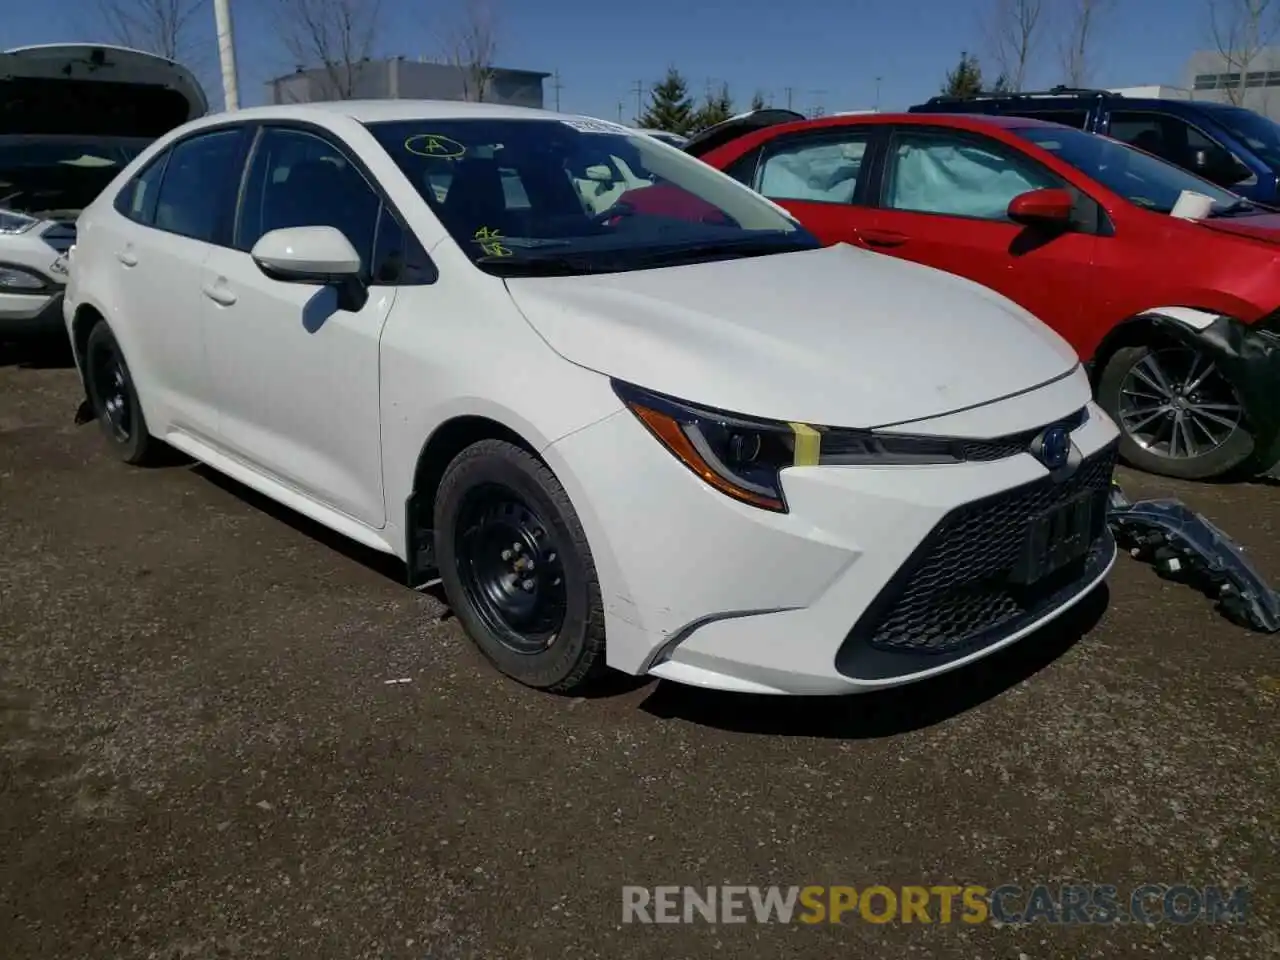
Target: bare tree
<point>1013,29</point>
<point>1083,19</point>
<point>155,26</point>
<point>337,36</point>
<point>473,47</point>
<point>1241,29</point>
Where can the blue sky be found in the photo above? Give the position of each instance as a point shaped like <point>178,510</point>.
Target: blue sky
<point>601,49</point>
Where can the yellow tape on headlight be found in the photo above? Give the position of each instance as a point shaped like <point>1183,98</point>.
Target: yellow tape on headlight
<point>808,444</point>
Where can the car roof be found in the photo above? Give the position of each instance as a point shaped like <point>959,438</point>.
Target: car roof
<point>960,120</point>
<point>375,111</point>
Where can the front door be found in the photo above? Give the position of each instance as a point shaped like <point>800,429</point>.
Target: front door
<point>943,203</point>
<point>295,374</point>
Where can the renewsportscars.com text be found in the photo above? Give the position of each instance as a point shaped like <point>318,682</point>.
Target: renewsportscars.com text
<point>1148,903</point>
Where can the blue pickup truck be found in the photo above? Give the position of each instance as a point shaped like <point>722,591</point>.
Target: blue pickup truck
<point>1230,146</point>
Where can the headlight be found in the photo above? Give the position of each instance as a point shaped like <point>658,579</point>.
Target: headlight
<point>12,222</point>
<point>744,456</point>
<point>15,280</point>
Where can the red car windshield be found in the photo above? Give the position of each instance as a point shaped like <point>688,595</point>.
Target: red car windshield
<point>1138,177</point>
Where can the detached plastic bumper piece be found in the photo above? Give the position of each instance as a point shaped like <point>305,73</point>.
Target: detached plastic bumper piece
<point>1183,545</point>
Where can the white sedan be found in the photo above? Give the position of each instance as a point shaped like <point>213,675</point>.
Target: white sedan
<point>675,437</point>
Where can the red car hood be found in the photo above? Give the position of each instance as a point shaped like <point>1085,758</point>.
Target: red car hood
<point>1262,226</point>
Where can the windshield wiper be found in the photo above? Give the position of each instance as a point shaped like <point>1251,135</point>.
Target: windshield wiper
<point>549,265</point>
<point>1234,209</point>
<point>699,252</point>
<point>559,264</point>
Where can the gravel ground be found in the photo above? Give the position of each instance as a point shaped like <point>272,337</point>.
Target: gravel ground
<point>200,755</point>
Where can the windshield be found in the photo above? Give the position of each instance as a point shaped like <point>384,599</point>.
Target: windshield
<point>1138,177</point>
<point>1255,131</point>
<point>60,175</point>
<point>579,196</point>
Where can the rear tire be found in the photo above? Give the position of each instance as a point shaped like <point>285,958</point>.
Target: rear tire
<point>114,399</point>
<point>1128,391</point>
<point>517,569</point>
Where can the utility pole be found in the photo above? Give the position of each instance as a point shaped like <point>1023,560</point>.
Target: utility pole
<point>227,53</point>
<point>557,86</point>
<point>619,111</point>
<point>878,79</point>
<point>788,91</point>
<point>638,89</point>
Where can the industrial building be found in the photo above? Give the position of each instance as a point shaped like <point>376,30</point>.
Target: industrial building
<point>403,79</point>
<point>1211,76</point>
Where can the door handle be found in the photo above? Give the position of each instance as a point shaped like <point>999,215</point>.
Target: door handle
<point>127,257</point>
<point>882,238</point>
<point>219,295</point>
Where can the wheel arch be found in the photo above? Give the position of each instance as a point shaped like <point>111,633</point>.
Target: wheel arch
<point>1154,325</point>
<point>86,317</point>
<point>445,442</point>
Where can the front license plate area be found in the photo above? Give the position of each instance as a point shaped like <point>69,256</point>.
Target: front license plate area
<point>1059,537</point>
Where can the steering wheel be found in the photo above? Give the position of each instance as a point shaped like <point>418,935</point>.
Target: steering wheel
<point>613,213</point>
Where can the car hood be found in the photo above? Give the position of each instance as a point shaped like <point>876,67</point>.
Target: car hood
<point>85,89</point>
<point>1262,226</point>
<point>836,336</point>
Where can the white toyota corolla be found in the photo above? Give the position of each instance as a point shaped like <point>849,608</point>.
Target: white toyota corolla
<point>673,436</point>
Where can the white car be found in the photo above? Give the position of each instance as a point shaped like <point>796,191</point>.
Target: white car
<point>676,437</point>
<point>74,116</point>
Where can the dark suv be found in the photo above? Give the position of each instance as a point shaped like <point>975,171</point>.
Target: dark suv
<point>1230,146</point>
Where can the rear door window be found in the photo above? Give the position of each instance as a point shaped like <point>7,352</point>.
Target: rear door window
<point>197,190</point>
<point>139,197</point>
<point>825,169</point>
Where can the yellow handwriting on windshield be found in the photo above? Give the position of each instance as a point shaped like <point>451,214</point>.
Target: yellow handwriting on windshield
<point>434,145</point>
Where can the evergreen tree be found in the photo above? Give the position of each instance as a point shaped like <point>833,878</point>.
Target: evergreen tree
<point>669,107</point>
<point>1002,85</point>
<point>717,109</point>
<point>965,80</point>
<point>757,102</point>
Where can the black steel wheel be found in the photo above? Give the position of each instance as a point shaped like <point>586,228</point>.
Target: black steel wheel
<point>516,567</point>
<point>511,568</point>
<point>113,399</point>
<point>1178,414</point>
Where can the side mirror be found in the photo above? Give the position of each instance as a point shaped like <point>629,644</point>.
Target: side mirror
<point>1042,208</point>
<point>1220,167</point>
<point>306,255</point>
<point>313,255</point>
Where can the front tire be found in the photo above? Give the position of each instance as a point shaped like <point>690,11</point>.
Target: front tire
<point>517,569</point>
<point>1179,416</point>
<point>114,399</point>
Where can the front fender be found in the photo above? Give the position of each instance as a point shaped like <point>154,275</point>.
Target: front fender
<point>1247,355</point>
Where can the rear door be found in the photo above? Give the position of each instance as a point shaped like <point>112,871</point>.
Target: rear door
<point>943,198</point>
<point>171,214</point>
<point>822,176</point>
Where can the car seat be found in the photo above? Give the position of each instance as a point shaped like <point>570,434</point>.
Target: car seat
<point>476,199</point>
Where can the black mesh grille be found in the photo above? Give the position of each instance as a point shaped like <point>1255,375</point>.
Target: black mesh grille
<point>1008,446</point>
<point>959,589</point>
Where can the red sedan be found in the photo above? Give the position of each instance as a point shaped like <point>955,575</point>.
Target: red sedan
<point>1179,319</point>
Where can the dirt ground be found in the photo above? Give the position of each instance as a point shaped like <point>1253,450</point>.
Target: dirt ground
<point>200,755</point>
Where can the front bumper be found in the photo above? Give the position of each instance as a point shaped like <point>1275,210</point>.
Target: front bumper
<point>843,594</point>
<point>30,313</point>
